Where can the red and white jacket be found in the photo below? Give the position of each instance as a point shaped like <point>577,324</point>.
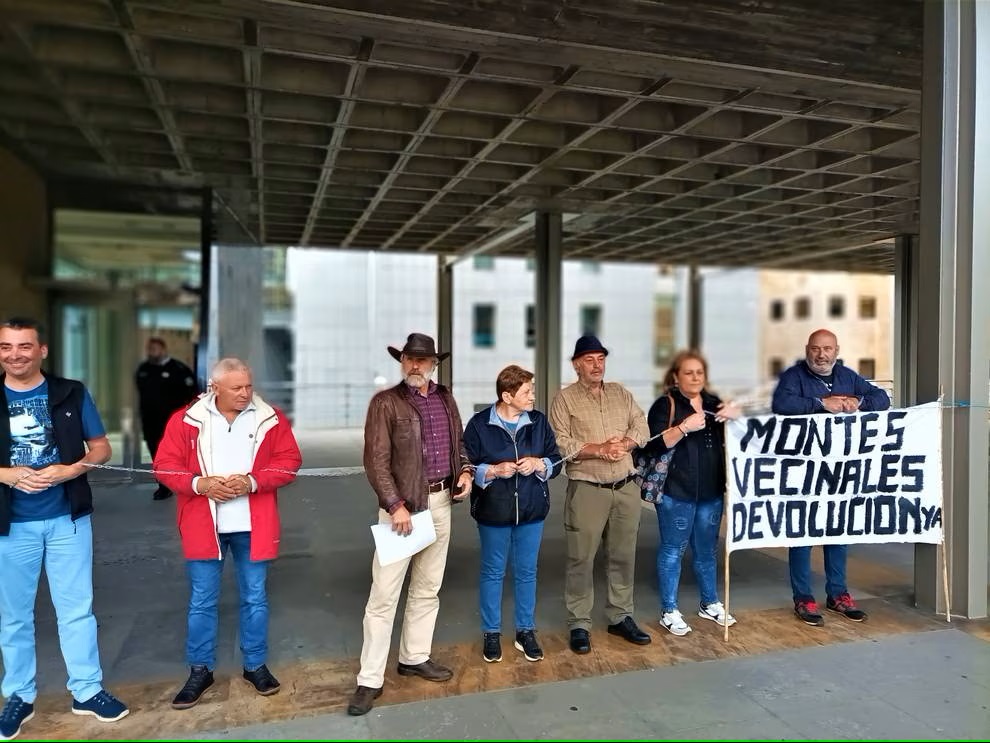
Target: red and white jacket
<point>186,449</point>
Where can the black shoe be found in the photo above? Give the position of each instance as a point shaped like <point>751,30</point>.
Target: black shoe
<point>629,631</point>
<point>580,641</point>
<point>363,700</point>
<point>492,650</point>
<point>526,643</point>
<point>262,681</point>
<point>428,670</point>
<point>200,679</point>
<point>843,604</point>
<point>808,612</point>
<point>162,493</point>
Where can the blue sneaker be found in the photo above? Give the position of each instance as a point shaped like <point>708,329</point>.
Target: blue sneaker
<point>15,713</point>
<point>104,706</point>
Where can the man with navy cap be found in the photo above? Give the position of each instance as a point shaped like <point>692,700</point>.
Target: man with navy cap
<point>598,424</point>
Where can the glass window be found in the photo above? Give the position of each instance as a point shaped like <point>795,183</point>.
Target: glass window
<point>836,306</point>
<point>530,329</point>
<point>802,308</point>
<point>484,263</point>
<point>484,326</point>
<point>867,308</point>
<point>591,319</point>
<point>868,368</point>
<point>776,310</point>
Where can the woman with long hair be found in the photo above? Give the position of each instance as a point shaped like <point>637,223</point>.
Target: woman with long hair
<point>690,509</point>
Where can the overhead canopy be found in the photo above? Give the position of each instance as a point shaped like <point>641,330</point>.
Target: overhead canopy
<point>781,133</point>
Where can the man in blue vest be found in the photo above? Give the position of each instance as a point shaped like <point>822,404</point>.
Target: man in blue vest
<point>49,432</point>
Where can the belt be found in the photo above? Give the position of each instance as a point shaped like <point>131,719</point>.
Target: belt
<point>438,485</point>
<point>613,485</point>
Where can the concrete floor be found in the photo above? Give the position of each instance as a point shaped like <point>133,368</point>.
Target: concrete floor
<point>319,586</point>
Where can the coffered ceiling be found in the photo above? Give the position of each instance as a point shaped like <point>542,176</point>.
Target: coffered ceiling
<point>774,133</point>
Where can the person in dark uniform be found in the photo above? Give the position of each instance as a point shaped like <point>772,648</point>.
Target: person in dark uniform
<point>164,385</point>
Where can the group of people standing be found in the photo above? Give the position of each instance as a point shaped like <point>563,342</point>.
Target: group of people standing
<point>225,453</point>
<point>416,458</point>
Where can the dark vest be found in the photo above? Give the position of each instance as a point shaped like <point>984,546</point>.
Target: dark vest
<point>64,396</point>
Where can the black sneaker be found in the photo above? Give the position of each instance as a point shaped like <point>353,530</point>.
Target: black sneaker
<point>843,604</point>
<point>15,713</point>
<point>200,679</point>
<point>492,652</point>
<point>527,644</point>
<point>262,680</point>
<point>809,613</point>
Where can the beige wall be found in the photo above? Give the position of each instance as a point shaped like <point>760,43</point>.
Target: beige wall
<point>24,243</point>
<point>859,338</point>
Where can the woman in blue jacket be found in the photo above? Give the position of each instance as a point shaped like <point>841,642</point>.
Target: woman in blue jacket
<point>515,453</point>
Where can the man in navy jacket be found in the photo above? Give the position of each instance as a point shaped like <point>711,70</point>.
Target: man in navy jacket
<point>821,384</point>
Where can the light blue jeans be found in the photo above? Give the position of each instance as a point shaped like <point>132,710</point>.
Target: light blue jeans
<point>66,548</point>
<point>498,544</point>
<point>204,595</point>
<point>683,523</point>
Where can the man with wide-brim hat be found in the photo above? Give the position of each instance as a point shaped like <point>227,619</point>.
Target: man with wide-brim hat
<point>415,460</point>
<point>420,346</point>
<point>598,424</point>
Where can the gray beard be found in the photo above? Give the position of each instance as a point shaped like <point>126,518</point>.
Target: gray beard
<point>410,381</point>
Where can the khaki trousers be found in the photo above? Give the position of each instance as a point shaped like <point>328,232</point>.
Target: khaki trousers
<point>594,515</point>
<point>422,602</point>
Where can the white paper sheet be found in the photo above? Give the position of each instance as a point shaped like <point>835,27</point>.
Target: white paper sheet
<point>392,547</point>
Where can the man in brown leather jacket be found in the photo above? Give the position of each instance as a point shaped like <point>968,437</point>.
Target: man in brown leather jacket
<point>414,456</point>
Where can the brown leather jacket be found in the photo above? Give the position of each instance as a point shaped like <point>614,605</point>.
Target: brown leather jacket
<point>393,447</point>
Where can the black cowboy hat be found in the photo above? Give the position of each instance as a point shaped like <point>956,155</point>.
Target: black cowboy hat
<point>418,345</point>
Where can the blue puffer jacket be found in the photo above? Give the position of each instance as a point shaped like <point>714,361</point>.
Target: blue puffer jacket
<point>799,391</point>
<point>518,499</point>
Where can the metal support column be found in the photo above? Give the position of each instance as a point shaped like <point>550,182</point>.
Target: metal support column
<point>953,349</point>
<point>905,320</point>
<point>695,305</point>
<point>549,234</point>
<point>445,318</point>
<point>205,266</point>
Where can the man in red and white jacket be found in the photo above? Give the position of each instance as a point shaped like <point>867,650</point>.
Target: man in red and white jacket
<point>224,457</point>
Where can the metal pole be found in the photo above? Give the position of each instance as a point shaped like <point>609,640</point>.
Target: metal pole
<point>205,259</point>
<point>445,319</point>
<point>549,239</point>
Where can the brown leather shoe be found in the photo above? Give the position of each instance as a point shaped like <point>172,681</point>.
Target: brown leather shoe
<point>363,700</point>
<point>428,670</point>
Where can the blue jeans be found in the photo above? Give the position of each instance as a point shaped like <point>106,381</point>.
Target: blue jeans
<point>204,584</point>
<point>522,542</point>
<point>799,562</point>
<point>66,547</point>
<point>683,523</point>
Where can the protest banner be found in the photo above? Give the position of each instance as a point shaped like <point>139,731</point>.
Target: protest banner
<point>834,478</point>
<point>846,478</point>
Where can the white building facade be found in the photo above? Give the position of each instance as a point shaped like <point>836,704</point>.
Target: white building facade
<point>348,306</point>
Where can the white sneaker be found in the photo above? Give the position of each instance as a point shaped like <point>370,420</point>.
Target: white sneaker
<point>674,623</point>
<point>716,612</point>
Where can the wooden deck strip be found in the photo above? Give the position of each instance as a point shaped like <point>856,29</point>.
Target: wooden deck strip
<point>323,686</point>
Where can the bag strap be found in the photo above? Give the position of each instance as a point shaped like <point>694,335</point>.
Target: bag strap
<point>670,421</point>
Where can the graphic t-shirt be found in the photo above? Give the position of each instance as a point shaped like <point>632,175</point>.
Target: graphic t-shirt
<point>32,444</point>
